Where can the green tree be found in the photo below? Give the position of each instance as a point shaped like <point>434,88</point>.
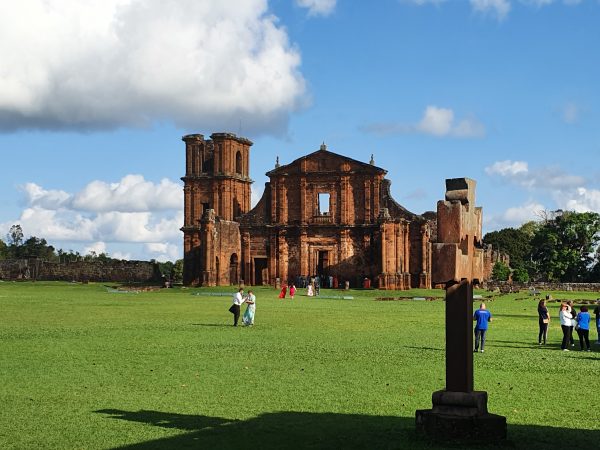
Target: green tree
<point>515,242</point>
<point>34,247</point>
<point>15,235</point>
<point>500,271</point>
<point>178,271</point>
<point>3,250</point>
<point>564,247</point>
<point>520,275</point>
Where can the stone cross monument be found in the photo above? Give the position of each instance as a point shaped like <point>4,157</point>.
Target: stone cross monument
<point>459,412</point>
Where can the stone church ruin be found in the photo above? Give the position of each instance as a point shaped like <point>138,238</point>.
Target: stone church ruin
<point>322,214</point>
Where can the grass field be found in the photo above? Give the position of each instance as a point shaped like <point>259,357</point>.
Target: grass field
<point>85,368</point>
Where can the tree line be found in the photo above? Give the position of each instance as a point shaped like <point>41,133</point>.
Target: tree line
<point>562,246</point>
<point>17,247</point>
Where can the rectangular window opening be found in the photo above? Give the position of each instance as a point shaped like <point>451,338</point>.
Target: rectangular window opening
<point>324,203</point>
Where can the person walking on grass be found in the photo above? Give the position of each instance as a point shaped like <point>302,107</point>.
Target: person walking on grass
<point>566,319</point>
<point>583,328</point>
<point>292,291</point>
<point>481,317</point>
<point>544,321</point>
<point>248,318</point>
<point>238,301</point>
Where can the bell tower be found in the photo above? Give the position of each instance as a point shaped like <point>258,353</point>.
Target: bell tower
<point>216,178</point>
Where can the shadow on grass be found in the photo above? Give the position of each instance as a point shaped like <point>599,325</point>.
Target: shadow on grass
<point>299,430</point>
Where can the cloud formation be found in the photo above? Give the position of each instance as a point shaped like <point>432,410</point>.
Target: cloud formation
<point>102,64</point>
<point>132,211</point>
<point>515,216</point>
<point>131,194</point>
<point>436,121</point>
<point>568,192</point>
<point>318,7</point>
<point>545,178</point>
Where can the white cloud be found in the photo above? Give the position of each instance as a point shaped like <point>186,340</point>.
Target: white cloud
<point>507,168</point>
<point>515,216</point>
<point>96,247</point>
<point>436,121</point>
<point>109,63</point>
<point>131,194</point>
<point>497,8</point>
<point>163,251</point>
<point>132,212</point>
<point>547,178</point>
<point>121,255</point>
<point>318,7</point>
<point>521,214</point>
<point>37,196</point>
<point>580,200</point>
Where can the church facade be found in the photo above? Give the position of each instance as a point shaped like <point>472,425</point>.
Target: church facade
<point>322,214</point>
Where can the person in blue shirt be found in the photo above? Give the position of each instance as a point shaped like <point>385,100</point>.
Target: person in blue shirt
<point>481,317</point>
<point>583,328</point>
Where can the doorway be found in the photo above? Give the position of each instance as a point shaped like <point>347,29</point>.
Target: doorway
<point>322,262</point>
<point>260,272</point>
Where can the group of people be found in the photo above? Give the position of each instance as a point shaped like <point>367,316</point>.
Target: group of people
<point>570,320</point>
<point>283,291</point>
<point>238,300</point>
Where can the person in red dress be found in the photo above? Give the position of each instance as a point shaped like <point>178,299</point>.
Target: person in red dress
<point>283,291</point>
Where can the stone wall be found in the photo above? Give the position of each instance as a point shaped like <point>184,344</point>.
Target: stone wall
<point>542,286</point>
<point>113,271</point>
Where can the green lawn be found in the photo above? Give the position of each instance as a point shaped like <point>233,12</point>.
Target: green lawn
<point>82,367</point>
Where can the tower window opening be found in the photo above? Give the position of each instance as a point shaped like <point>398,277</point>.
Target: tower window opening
<point>238,163</point>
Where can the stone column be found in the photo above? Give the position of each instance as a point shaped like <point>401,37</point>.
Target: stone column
<point>247,258</point>
<point>304,263</point>
<point>368,201</point>
<point>303,219</point>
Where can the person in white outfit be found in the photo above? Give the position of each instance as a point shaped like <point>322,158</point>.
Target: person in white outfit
<point>566,319</point>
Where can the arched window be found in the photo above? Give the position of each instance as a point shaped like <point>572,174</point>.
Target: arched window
<point>238,163</point>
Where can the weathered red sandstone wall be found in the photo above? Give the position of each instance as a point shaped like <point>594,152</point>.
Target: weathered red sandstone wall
<point>113,271</point>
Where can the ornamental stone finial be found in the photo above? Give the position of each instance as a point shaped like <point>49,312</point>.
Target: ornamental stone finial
<point>323,146</point>
<point>372,162</point>
<point>277,165</point>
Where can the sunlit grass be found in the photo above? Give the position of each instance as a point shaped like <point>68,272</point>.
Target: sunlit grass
<point>82,367</point>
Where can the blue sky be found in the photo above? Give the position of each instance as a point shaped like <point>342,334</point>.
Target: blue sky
<point>95,96</point>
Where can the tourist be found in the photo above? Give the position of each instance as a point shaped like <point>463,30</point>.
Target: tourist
<point>566,319</point>
<point>248,318</point>
<point>597,313</point>
<point>481,317</point>
<point>544,320</point>
<point>292,291</point>
<point>573,321</point>
<point>283,291</point>
<point>238,300</point>
<point>310,291</point>
<point>583,328</point>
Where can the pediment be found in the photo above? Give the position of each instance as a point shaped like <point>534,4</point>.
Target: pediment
<point>324,161</point>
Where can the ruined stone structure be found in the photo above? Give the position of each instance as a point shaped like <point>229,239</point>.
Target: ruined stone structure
<point>322,214</point>
<point>113,271</point>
